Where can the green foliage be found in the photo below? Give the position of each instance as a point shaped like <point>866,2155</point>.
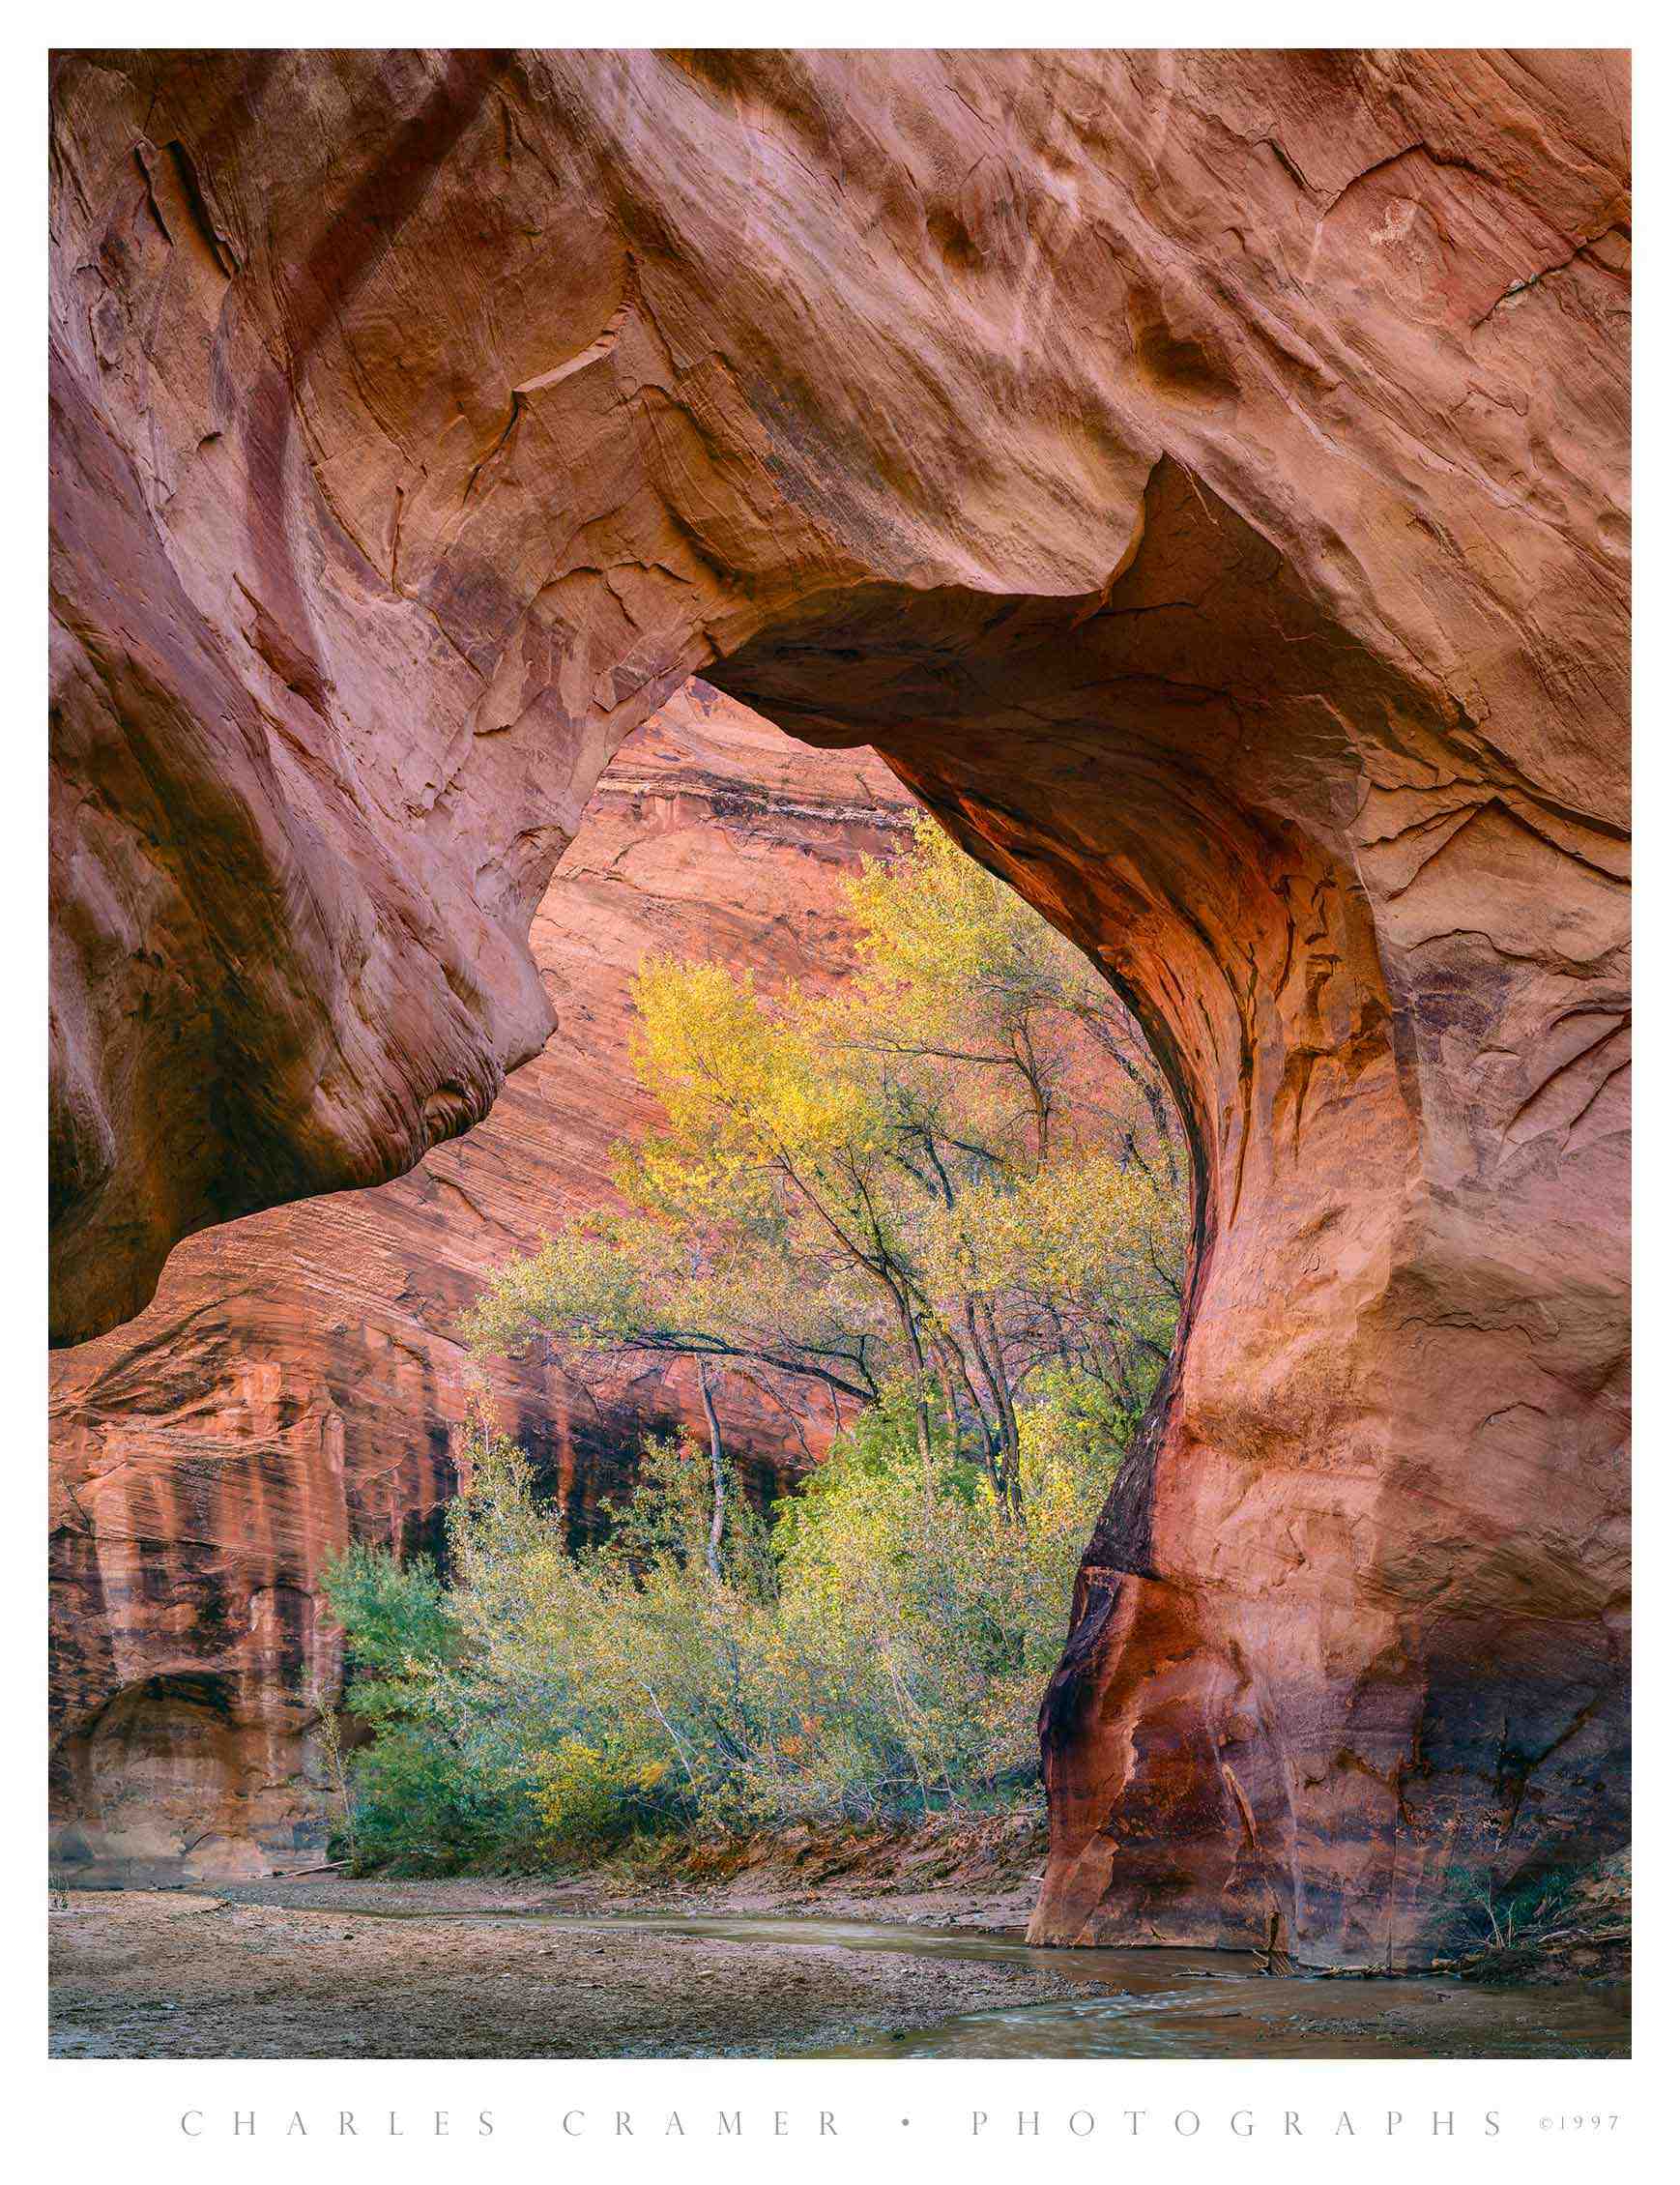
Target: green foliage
<point>396,1621</point>
<point>933,1621</point>
<point>876,1650</point>
<point>430,1791</point>
<point>422,1806</point>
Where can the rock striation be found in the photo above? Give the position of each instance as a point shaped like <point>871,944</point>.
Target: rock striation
<point>295,1384</point>
<point>1204,477</point>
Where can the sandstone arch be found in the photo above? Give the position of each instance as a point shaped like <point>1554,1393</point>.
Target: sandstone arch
<point>1203,479</point>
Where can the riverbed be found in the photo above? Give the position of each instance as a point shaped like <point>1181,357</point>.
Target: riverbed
<point>372,1969</point>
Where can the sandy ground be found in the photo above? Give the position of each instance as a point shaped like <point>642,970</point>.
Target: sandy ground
<point>150,1973</point>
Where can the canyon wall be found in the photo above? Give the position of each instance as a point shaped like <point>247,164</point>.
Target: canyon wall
<point>295,1383</point>
<point>1205,477</point>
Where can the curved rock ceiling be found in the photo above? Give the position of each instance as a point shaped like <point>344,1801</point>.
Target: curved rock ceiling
<point>1204,477</point>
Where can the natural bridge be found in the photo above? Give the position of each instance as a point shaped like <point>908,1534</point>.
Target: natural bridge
<point>1202,478</point>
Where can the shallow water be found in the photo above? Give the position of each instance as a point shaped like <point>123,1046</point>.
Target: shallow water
<point>1248,2016</point>
<point>1185,2004</point>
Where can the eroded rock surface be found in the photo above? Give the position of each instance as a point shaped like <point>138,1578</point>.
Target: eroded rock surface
<point>295,1380</point>
<point>1204,477</point>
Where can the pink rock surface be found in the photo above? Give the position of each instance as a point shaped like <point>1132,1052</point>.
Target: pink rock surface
<point>1203,476</point>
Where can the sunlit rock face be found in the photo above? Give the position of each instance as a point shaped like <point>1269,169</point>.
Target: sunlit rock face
<point>296,1381</point>
<point>1205,477</point>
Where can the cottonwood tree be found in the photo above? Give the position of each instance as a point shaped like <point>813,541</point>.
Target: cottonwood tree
<point>955,1175</point>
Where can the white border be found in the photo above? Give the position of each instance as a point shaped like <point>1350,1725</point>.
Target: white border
<point>123,2120</point>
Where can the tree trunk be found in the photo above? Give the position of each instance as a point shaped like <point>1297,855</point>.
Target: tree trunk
<point>1008,1424</point>
<point>919,1367</point>
<point>714,1539</point>
<point>1007,1476</point>
<point>949,1387</point>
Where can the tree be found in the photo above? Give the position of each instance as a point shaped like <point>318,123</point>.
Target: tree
<point>934,1179</point>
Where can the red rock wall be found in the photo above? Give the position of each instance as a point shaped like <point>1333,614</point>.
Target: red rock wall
<point>1205,476</point>
<point>295,1382</point>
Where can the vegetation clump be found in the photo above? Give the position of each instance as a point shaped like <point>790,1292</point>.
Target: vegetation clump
<point>949,1196</point>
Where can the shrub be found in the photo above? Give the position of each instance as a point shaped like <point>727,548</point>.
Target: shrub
<point>877,1650</point>
<point>426,1798</point>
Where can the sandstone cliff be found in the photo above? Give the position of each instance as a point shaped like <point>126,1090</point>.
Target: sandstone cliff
<point>295,1382</point>
<point>1204,477</point>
